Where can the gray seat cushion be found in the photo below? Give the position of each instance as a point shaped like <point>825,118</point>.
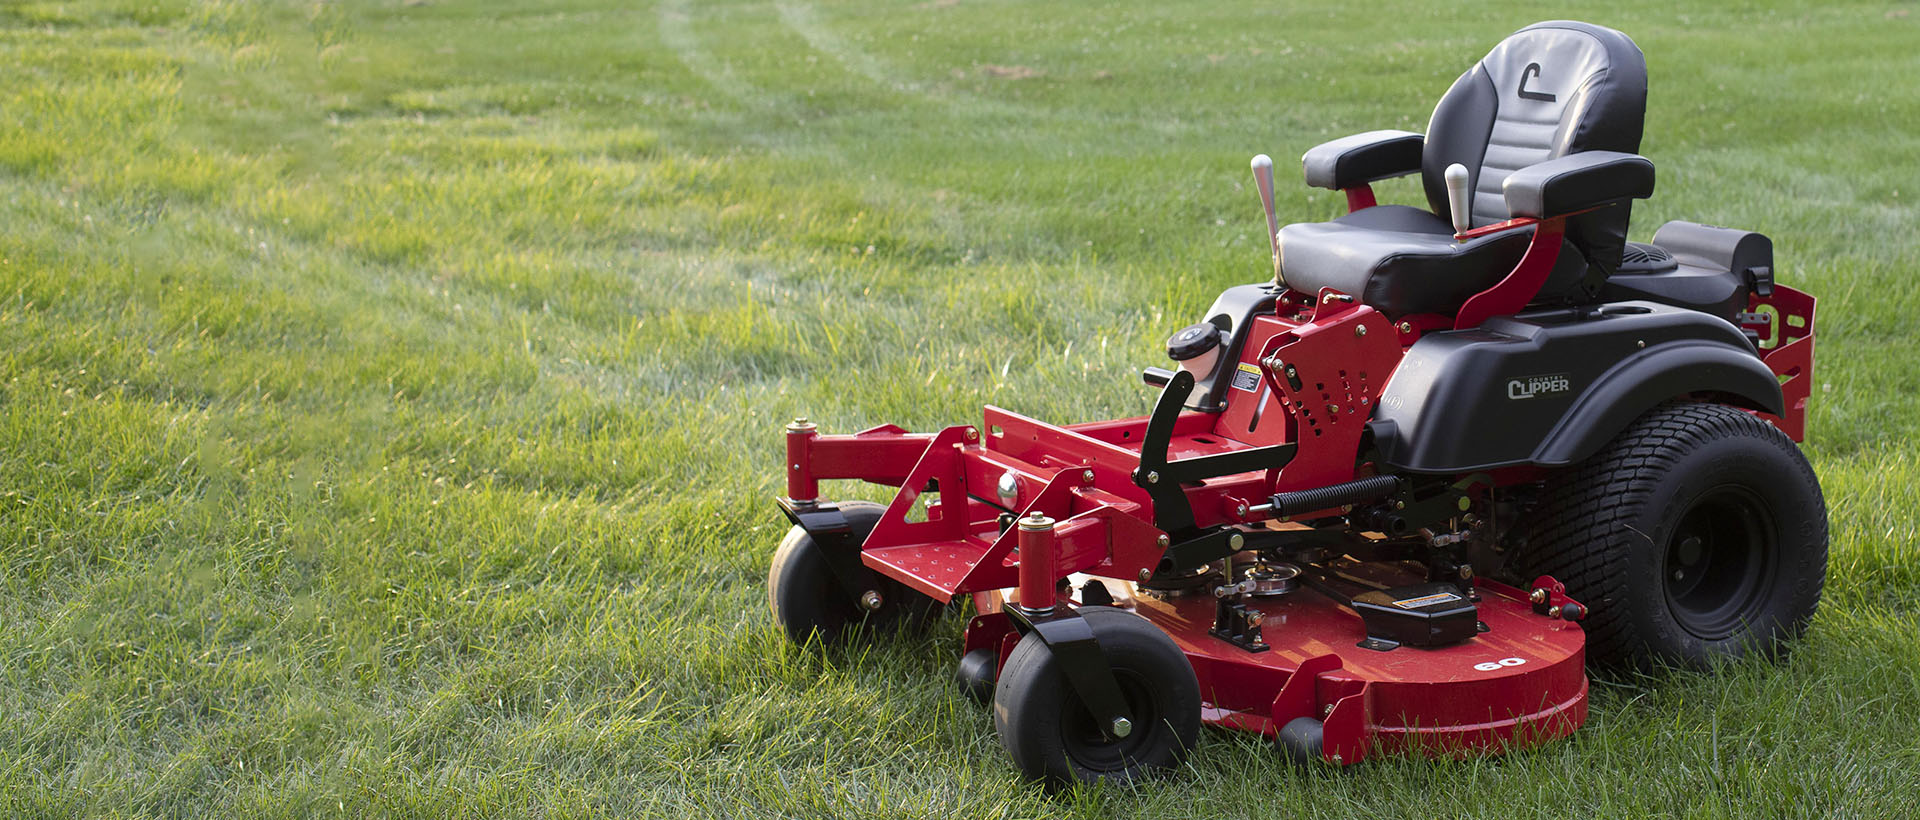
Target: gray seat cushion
<point>1550,90</point>
<point>1398,259</point>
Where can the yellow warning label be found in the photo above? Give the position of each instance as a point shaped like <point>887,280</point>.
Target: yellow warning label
<point>1246,377</point>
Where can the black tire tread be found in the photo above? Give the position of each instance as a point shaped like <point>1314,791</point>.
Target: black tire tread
<point>1579,537</point>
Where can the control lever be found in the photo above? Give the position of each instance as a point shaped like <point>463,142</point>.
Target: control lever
<point>1263,179</point>
<point>1457,198</point>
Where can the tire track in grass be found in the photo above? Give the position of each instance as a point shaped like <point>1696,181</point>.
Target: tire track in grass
<point>676,31</point>
<point>801,18</point>
<point>956,105</point>
<point>754,104</point>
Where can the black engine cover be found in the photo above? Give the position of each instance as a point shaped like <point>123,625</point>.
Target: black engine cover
<point>1551,387</point>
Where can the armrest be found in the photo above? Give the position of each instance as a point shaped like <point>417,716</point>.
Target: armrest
<point>1362,158</point>
<point>1577,182</point>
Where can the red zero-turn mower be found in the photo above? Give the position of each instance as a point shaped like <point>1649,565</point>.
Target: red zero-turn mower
<point>1392,500</point>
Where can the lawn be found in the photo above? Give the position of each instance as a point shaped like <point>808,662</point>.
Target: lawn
<point>390,392</point>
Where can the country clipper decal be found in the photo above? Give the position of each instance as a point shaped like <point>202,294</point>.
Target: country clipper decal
<point>1527,387</point>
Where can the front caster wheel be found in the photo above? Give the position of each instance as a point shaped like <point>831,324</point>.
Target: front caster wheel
<point>809,601</point>
<point>1052,736</point>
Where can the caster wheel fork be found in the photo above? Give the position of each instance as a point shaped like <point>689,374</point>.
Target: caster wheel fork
<point>1053,736</point>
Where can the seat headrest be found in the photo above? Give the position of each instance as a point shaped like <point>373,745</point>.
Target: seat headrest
<point>1591,82</point>
<point>1547,90</point>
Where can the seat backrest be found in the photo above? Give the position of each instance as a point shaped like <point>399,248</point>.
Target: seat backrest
<point>1549,90</point>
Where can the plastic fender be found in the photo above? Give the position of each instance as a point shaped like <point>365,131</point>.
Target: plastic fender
<point>1643,381</point>
<point>1550,388</point>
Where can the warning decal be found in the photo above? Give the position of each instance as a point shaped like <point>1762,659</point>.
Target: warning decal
<point>1246,377</point>
<point>1427,600</point>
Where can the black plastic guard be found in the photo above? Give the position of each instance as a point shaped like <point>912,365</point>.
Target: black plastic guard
<point>1550,388</point>
<point>1431,614</point>
<point>827,525</point>
<point>1072,642</point>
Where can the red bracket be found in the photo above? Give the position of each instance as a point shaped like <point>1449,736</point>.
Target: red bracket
<point>1787,348</point>
<point>1327,374</point>
<point>940,461</point>
<point>1553,600</point>
<point>1520,286</point>
<point>1343,721</point>
<point>1299,697</point>
<point>1359,197</point>
<point>985,631</point>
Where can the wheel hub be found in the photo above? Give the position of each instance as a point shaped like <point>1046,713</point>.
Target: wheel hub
<point>1086,745</point>
<point>1718,561</point>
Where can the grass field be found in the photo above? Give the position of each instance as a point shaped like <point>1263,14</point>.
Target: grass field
<point>390,391</point>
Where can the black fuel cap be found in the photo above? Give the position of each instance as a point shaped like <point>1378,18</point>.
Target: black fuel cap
<point>1192,341</point>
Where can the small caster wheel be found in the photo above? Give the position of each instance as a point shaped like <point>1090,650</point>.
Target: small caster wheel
<point>809,602</point>
<point>977,672</point>
<point>1300,741</point>
<point>1052,737</point>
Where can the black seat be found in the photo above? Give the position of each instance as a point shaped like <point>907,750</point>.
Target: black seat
<point>1546,126</point>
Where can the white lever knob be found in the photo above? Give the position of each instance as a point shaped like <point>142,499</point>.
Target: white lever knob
<point>1263,179</point>
<point>1457,198</point>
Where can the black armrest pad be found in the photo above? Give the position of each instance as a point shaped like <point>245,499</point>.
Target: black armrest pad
<point>1576,182</point>
<point>1362,158</point>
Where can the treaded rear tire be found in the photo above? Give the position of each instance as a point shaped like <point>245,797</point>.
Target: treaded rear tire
<point>1689,487</point>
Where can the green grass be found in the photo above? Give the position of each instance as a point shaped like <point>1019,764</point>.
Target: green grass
<point>390,391</point>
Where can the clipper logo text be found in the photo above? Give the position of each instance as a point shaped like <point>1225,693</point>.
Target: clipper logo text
<point>1531,386</point>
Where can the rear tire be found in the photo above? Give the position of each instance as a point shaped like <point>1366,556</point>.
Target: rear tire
<point>1698,533</point>
<point>1051,736</point>
<point>809,601</point>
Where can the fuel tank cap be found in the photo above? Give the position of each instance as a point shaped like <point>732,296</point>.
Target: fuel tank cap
<point>1192,341</point>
